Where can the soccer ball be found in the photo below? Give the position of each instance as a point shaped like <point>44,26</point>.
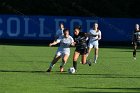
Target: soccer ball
<point>71,70</point>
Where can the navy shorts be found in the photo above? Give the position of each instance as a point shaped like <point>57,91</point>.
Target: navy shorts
<point>82,51</point>
<point>136,43</point>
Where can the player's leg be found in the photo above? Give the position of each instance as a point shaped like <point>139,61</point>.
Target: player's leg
<point>134,52</point>
<point>55,59</point>
<point>90,46</point>
<point>89,49</point>
<point>64,60</point>
<point>96,54</point>
<point>96,47</point>
<point>75,58</point>
<point>83,59</point>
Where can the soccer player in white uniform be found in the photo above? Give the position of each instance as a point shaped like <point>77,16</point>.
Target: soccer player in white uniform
<point>63,50</point>
<point>95,36</point>
<point>59,32</point>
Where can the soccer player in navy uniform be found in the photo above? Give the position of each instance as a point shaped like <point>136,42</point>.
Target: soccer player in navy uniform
<point>80,39</point>
<point>136,39</point>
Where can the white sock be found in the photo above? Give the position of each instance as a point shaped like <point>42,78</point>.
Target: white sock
<point>95,58</point>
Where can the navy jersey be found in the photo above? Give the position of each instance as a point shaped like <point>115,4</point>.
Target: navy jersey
<point>136,36</point>
<point>81,40</point>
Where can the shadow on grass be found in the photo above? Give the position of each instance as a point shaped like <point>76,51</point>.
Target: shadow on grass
<point>23,71</point>
<point>129,51</point>
<point>111,75</point>
<point>102,92</point>
<point>103,75</point>
<point>76,74</point>
<point>106,89</point>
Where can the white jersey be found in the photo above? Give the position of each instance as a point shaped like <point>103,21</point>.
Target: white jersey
<point>65,43</point>
<point>97,35</point>
<point>93,39</point>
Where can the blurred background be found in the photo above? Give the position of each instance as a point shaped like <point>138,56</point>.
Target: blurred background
<point>117,18</point>
<point>101,8</point>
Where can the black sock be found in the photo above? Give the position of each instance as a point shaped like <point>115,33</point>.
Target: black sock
<point>75,65</point>
<point>134,53</point>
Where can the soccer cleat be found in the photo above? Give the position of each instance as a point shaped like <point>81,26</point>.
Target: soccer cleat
<point>48,70</point>
<point>89,62</point>
<point>61,69</point>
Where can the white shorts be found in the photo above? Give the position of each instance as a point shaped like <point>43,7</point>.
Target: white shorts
<point>62,52</point>
<point>93,44</point>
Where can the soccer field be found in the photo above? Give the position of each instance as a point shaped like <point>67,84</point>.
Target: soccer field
<point>22,70</point>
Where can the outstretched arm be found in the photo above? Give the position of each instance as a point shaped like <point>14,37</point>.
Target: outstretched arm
<point>54,43</point>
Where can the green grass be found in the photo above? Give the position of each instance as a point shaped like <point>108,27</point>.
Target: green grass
<point>22,70</point>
